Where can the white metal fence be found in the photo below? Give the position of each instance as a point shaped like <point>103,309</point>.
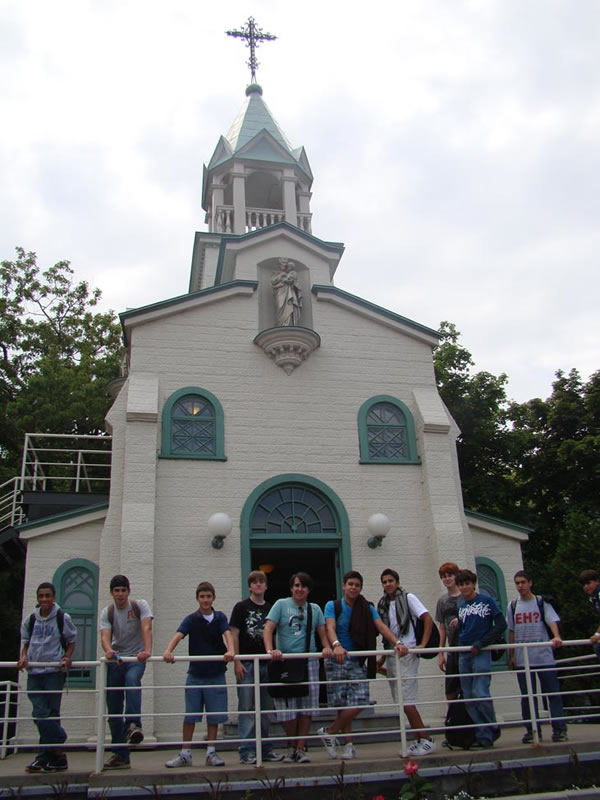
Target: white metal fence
<point>24,733</point>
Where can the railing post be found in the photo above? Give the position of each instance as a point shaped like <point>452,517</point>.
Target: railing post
<point>257,712</point>
<point>100,706</point>
<point>530,697</point>
<point>7,704</point>
<point>402,721</point>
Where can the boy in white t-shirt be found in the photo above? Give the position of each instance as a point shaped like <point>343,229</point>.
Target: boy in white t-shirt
<point>400,611</point>
<point>528,619</point>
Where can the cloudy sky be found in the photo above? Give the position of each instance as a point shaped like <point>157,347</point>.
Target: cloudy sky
<point>455,146</point>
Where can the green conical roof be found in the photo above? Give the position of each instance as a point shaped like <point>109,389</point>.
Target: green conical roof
<point>254,117</point>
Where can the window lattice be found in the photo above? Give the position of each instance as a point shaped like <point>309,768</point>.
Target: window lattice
<point>386,432</point>
<point>293,510</point>
<point>193,427</point>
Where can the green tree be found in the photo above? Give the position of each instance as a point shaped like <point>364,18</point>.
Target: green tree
<point>477,402</point>
<point>57,355</point>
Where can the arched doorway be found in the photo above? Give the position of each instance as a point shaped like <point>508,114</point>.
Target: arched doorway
<point>293,523</point>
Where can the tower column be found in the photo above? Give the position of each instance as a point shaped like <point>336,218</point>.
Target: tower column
<point>290,210</point>
<point>239,202</point>
<point>217,199</point>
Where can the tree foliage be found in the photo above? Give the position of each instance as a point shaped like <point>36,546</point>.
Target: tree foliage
<point>57,355</point>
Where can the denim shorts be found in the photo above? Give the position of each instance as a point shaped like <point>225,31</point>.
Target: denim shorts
<point>207,695</point>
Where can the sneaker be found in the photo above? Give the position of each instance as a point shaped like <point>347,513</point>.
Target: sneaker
<point>273,756</point>
<point>426,747</point>
<point>182,759</point>
<point>528,737</point>
<point>135,735</point>
<point>481,745</point>
<point>349,752</point>
<point>38,763</point>
<point>56,764</point>
<point>116,762</point>
<point>413,749</point>
<point>214,760</point>
<point>302,757</point>
<point>290,756</point>
<point>329,743</point>
<point>248,758</point>
<point>560,736</point>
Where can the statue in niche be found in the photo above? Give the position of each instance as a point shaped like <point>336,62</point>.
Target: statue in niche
<point>287,293</point>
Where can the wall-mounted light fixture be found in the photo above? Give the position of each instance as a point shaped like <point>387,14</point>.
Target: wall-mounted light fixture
<point>219,527</point>
<point>378,526</point>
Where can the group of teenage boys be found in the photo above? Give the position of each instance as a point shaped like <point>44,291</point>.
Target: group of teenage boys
<point>466,617</point>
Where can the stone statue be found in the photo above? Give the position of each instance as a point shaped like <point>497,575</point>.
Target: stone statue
<point>287,293</point>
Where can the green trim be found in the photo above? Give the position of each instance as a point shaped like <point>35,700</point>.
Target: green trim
<point>219,454</point>
<point>184,298</point>
<point>92,615</point>
<point>340,542</point>
<point>384,312</point>
<point>502,600</point>
<point>78,512</point>
<point>363,442</point>
<point>498,521</point>
<point>335,247</point>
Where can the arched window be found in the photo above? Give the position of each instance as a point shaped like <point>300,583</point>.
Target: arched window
<point>490,580</point>
<point>295,510</point>
<point>192,425</point>
<point>76,584</point>
<point>386,432</point>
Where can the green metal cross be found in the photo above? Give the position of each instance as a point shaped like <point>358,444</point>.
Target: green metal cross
<point>253,36</point>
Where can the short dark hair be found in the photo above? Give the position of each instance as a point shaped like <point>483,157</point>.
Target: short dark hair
<point>588,575</point>
<point>522,573</point>
<point>46,585</point>
<point>391,572</point>
<point>257,575</point>
<point>119,580</point>
<point>465,576</point>
<point>205,586</point>
<point>352,573</point>
<point>304,579</point>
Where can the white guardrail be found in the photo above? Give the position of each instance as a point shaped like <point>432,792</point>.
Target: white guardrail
<point>13,699</point>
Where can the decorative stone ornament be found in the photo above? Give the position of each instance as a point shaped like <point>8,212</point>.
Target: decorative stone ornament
<point>288,346</point>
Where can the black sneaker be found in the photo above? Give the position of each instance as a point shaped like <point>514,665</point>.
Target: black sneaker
<point>38,763</point>
<point>560,736</point>
<point>55,764</point>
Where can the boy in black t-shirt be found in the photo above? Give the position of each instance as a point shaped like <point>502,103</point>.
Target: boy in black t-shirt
<point>247,622</point>
<point>205,684</point>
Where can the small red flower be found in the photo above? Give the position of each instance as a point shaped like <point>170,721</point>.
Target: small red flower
<point>378,797</point>
<point>411,768</point>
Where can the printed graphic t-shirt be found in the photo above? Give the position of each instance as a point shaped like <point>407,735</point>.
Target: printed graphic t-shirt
<point>528,626</point>
<point>249,618</point>
<point>476,618</point>
<point>291,623</point>
<point>127,639</point>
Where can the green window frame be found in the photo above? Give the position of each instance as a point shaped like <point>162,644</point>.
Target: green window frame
<point>386,432</point>
<point>490,580</point>
<point>76,584</point>
<point>193,426</point>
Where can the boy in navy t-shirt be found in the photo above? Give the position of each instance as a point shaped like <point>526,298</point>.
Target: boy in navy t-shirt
<point>480,622</point>
<point>205,684</point>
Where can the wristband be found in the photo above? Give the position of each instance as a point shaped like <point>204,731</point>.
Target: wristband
<point>336,643</point>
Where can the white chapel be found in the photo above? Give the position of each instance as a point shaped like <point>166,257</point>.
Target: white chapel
<point>267,418</point>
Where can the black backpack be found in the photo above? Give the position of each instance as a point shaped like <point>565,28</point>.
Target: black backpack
<point>457,735</point>
<point>60,624</point>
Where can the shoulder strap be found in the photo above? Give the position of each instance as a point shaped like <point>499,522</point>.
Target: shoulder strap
<point>60,624</point>
<point>111,614</point>
<point>513,606</point>
<point>30,624</point>
<point>135,607</point>
<point>308,627</point>
<point>337,609</point>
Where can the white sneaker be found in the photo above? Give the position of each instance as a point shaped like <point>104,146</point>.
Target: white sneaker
<point>426,747</point>
<point>329,743</point>
<point>214,760</point>
<point>414,748</point>
<point>183,759</point>
<point>349,752</point>
<point>290,756</point>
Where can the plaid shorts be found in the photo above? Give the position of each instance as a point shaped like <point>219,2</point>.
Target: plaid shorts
<point>353,688</point>
<point>288,708</point>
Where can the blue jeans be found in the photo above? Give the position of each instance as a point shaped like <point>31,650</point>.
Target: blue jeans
<point>548,677</point>
<point>46,707</point>
<point>476,690</point>
<point>119,679</point>
<point>247,722</point>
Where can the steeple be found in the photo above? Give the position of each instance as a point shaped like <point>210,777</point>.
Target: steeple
<point>255,178</point>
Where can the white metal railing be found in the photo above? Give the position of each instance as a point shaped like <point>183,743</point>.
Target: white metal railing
<point>255,219</point>
<point>569,670</point>
<point>60,462</point>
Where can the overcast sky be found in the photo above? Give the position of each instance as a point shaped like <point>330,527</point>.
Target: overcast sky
<point>455,148</point>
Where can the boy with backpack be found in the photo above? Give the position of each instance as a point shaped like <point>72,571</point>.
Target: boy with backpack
<point>125,630</point>
<point>47,635</point>
<point>590,583</point>
<point>531,618</point>
<point>210,635</point>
